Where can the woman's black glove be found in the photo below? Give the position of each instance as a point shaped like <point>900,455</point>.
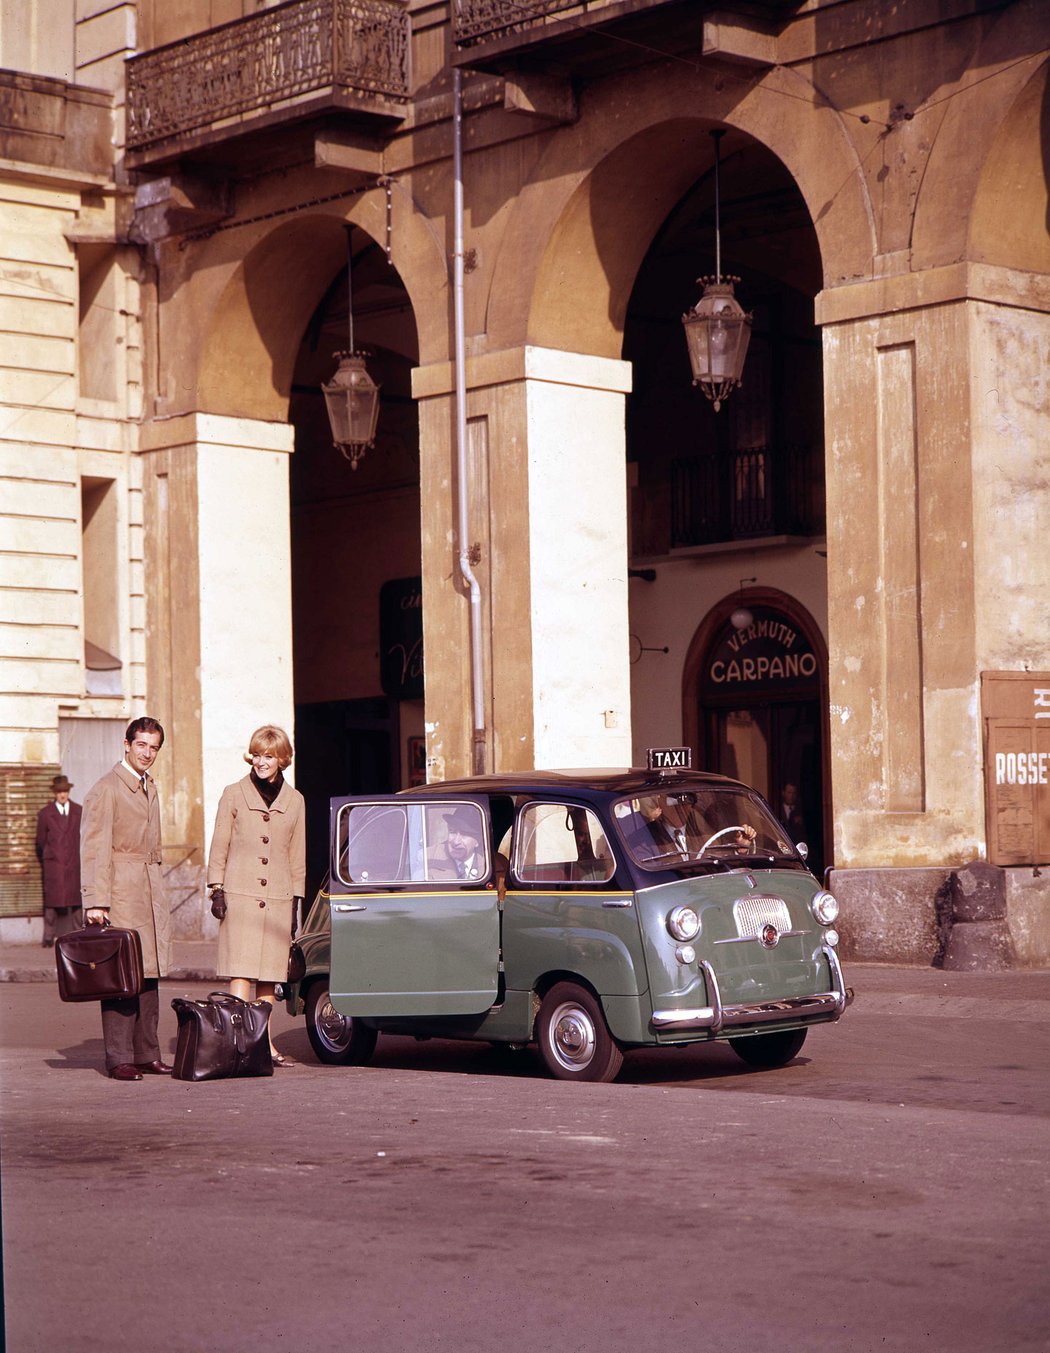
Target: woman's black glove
<point>296,905</point>
<point>218,904</point>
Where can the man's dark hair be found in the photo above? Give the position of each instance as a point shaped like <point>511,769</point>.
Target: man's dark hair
<point>143,725</point>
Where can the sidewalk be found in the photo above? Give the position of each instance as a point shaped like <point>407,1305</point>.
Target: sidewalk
<point>880,988</point>
<point>192,961</point>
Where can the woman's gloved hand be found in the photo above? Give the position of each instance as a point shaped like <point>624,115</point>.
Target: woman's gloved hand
<point>218,904</point>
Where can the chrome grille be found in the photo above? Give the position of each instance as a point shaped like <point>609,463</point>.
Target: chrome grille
<point>752,913</point>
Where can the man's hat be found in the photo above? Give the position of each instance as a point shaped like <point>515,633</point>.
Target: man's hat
<point>60,784</point>
<point>465,820</point>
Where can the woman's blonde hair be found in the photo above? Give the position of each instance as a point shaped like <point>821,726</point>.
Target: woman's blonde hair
<point>269,740</point>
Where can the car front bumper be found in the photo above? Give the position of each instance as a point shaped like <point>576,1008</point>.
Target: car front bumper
<point>821,1007</point>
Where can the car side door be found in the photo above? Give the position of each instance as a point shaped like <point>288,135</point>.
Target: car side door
<point>415,913</point>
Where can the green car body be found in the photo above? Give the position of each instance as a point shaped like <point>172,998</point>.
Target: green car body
<point>575,927</point>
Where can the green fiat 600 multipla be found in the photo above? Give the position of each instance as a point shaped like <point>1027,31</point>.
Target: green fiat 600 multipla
<point>588,913</point>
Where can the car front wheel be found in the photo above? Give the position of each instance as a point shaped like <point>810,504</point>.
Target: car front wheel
<point>769,1050</point>
<point>337,1040</point>
<point>574,1039</point>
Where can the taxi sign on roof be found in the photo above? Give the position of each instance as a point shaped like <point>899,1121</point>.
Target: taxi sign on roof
<point>670,758</point>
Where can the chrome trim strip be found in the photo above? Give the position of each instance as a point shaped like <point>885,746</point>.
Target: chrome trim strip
<point>844,993</point>
<point>713,995</point>
<point>757,939</point>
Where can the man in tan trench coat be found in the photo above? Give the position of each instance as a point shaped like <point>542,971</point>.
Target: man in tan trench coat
<point>121,878</point>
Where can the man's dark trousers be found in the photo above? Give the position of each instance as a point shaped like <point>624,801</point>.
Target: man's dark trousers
<point>129,1027</point>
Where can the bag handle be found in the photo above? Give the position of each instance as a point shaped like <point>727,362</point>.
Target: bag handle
<point>228,998</point>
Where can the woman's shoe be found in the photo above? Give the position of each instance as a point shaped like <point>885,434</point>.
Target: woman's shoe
<point>279,1059</point>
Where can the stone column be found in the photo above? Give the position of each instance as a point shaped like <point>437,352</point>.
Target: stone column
<point>218,614</point>
<point>546,480</point>
<point>935,394</point>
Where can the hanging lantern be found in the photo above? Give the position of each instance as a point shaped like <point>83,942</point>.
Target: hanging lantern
<point>742,618</point>
<point>352,396</point>
<point>717,332</point>
<point>717,329</point>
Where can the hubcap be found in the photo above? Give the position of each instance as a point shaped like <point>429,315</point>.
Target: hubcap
<point>333,1027</point>
<point>572,1036</point>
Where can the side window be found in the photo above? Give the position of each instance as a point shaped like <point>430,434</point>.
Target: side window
<point>373,843</point>
<point>456,843</point>
<point>561,843</point>
<point>386,843</point>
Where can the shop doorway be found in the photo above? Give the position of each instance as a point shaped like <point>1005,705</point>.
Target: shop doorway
<point>755,702</point>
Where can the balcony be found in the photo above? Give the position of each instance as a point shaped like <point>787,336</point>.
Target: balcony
<point>751,494</point>
<point>203,98</point>
<point>591,37</point>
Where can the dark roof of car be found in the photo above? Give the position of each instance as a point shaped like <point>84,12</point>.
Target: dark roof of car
<point>628,781</point>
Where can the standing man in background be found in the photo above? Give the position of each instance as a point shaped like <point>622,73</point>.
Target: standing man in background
<point>122,882</point>
<point>58,850</point>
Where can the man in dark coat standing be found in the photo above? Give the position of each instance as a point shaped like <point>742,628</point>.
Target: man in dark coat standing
<point>122,881</point>
<point>58,850</point>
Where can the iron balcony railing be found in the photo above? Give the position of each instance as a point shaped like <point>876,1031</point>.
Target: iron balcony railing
<point>481,21</point>
<point>482,18</point>
<point>280,54</point>
<point>760,491</point>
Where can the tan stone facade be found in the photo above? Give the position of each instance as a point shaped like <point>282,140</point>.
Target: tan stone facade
<point>173,276</point>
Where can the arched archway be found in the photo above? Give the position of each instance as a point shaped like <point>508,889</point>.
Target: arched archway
<point>600,193</point>
<point>261,300</point>
<point>355,535</point>
<point>755,705</point>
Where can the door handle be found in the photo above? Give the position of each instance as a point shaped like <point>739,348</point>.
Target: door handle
<point>618,902</point>
<point>347,906</point>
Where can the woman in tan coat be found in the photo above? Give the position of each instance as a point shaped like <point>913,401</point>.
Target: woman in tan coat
<point>257,870</point>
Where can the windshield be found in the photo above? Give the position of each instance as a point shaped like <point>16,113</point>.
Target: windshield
<point>670,829</point>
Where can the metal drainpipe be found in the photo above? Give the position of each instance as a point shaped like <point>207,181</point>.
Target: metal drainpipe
<point>466,572</point>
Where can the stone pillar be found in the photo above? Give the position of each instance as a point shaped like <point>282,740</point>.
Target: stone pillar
<point>218,617</point>
<point>935,404</point>
<point>548,530</point>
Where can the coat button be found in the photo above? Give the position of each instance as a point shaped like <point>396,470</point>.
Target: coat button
<point>266,817</point>
<point>266,840</point>
<point>263,882</point>
<point>262,904</point>
<point>265,860</point>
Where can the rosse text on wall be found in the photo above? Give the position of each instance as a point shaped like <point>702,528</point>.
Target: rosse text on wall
<point>1016,711</point>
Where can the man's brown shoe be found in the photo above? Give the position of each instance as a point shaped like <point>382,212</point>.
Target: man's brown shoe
<point>125,1072</point>
<point>157,1068</point>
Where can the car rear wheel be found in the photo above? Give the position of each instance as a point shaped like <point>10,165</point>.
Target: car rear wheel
<point>337,1040</point>
<point>769,1050</point>
<point>574,1039</point>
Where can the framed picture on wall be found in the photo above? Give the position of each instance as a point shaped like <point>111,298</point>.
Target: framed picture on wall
<point>417,762</point>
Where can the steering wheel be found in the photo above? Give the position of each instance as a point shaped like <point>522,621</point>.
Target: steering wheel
<point>749,832</point>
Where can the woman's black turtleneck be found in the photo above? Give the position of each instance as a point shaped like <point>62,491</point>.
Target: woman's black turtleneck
<point>269,789</point>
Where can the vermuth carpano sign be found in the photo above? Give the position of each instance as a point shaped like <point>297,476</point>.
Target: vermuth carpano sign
<point>769,653</point>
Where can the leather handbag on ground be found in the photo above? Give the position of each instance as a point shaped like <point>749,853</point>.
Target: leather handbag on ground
<point>221,1037</point>
<point>99,963</point>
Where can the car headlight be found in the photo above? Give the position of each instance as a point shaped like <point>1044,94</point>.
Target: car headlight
<point>684,923</point>
<point>825,907</point>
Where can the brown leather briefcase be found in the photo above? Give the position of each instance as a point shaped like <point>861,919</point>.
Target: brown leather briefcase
<point>99,963</point>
